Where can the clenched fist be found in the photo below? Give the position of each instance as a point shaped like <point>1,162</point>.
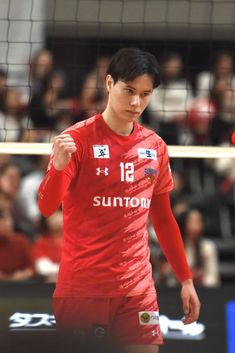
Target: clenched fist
<point>64,146</point>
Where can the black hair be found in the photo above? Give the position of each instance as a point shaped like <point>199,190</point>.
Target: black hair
<point>182,222</point>
<point>219,54</point>
<point>129,63</point>
<point>4,167</point>
<point>169,55</point>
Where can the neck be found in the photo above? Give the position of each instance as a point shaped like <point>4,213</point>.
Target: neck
<point>123,128</point>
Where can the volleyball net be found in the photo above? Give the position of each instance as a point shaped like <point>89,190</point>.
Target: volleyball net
<point>53,56</point>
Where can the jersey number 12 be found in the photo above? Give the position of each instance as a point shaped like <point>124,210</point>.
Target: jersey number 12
<point>127,171</point>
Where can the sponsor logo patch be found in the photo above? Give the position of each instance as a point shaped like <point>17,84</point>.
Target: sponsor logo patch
<point>150,174</point>
<point>101,151</point>
<point>147,153</point>
<point>149,318</point>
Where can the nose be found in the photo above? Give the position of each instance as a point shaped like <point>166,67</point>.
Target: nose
<point>135,101</point>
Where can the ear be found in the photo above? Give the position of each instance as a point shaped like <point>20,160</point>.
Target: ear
<point>109,82</point>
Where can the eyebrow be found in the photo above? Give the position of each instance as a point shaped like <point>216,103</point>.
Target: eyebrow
<point>147,90</point>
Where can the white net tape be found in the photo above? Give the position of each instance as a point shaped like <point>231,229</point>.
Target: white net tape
<point>174,151</point>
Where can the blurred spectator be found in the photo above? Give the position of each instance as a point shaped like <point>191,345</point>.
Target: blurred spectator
<point>200,251</point>
<point>211,119</point>
<point>222,69</point>
<point>4,158</point>
<point>15,252</point>
<point>12,118</point>
<point>224,124</point>
<point>50,110</point>
<point>41,66</point>
<point>47,248</point>
<point>180,195</point>
<point>225,169</point>
<point>3,80</point>
<point>10,179</point>
<point>27,196</point>
<point>10,175</point>
<point>5,201</point>
<point>46,106</point>
<point>199,120</point>
<point>162,271</point>
<point>165,275</point>
<point>29,188</point>
<point>170,101</point>
<point>94,94</point>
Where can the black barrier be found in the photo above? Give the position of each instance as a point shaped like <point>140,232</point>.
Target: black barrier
<point>27,323</point>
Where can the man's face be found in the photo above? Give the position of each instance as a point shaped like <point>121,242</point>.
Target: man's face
<point>127,100</point>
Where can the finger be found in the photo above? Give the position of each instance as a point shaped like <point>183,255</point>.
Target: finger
<point>193,314</point>
<point>185,305</point>
<point>67,144</point>
<point>188,319</point>
<point>63,137</point>
<point>64,143</point>
<point>63,140</point>
<point>71,149</point>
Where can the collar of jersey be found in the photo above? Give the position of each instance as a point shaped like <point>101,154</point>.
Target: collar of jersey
<point>114,134</point>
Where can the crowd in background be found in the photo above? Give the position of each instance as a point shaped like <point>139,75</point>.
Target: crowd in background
<point>204,195</point>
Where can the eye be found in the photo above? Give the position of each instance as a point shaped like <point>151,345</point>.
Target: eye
<point>129,90</point>
<point>146,94</point>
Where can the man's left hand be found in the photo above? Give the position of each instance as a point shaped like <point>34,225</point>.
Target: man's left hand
<point>190,302</point>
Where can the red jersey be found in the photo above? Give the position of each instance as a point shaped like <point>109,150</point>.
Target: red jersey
<point>105,210</point>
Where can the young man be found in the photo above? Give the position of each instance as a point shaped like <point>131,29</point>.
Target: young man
<point>112,173</point>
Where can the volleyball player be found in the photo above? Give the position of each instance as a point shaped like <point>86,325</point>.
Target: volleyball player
<point>110,174</point>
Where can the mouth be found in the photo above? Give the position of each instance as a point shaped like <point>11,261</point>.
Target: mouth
<point>133,113</point>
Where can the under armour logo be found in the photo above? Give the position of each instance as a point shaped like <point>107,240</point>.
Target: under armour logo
<point>104,171</point>
<point>155,333</point>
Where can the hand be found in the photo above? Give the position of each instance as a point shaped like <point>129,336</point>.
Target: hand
<point>64,146</point>
<point>190,301</point>
<point>20,275</point>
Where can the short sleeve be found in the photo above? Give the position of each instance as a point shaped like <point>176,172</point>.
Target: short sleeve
<point>164,182</point>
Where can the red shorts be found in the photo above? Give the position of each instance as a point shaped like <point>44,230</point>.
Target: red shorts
<point>129,320</point>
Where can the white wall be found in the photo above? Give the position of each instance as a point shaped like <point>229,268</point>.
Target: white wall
<point>150,18</point>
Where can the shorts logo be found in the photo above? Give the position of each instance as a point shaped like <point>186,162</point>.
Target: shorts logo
<point>104,171</point>
<point>101,151</point>
<point>149,318</point>
<point>99,331</point>
<point>145,318</point>
<point>147,153</point>
<point>156,332</point>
